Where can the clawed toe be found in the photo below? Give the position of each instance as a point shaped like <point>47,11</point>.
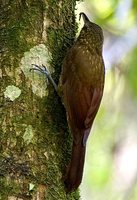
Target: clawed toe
<point>42,69</point>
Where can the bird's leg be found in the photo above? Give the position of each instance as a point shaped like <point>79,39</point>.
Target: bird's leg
<point>45,71</point>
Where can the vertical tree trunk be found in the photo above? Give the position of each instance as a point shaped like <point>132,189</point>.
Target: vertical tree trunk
<point>35,144</point>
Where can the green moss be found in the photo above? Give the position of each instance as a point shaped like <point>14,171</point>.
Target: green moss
<point>48,151</point>
<point>21,25</point>
<point>60,38</point>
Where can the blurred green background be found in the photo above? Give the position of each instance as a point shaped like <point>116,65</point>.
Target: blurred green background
<point>111,160</point>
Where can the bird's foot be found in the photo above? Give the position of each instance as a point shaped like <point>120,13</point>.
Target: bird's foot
<point>42,69</point>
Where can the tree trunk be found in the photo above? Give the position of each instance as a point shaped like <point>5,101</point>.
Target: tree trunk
<point>35,144</point>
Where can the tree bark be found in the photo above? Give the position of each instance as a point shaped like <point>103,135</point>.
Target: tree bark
<point>35,143</point>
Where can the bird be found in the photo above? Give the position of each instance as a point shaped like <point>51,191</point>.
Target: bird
<point>81,85</point>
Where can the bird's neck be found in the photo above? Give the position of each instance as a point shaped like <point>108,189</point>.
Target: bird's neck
<point>90,40</point>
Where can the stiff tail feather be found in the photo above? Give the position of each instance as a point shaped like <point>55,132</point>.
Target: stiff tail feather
<point>75,170</point>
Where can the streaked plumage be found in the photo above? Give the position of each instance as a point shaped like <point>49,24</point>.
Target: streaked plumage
<point>82,83</point>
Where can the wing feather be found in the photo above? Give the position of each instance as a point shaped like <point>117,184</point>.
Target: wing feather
<point>81,100</point>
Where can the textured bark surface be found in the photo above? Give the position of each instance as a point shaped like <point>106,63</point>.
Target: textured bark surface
<point>35,144</point>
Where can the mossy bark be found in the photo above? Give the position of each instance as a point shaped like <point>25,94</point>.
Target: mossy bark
<point>35,143</point>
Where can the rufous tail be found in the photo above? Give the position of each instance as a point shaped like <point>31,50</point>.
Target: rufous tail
<point>75,170</point>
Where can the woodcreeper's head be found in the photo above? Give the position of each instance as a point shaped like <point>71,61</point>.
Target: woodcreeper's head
<point>91,30</point>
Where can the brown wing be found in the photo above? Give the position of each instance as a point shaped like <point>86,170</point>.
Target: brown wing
<point>81,100</point>
<point>82,105</point>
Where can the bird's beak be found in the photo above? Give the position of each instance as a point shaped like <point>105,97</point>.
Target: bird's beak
<point>85,18</point>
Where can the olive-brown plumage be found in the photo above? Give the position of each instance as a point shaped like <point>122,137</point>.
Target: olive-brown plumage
<point>82,83</point>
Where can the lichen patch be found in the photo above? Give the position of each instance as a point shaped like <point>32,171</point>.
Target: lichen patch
<point>28,135</point>
<point>37,55</point>
<point>12,92</point>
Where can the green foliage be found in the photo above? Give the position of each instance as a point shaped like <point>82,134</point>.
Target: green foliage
<point>107,175</point>
<point>131,72</point>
